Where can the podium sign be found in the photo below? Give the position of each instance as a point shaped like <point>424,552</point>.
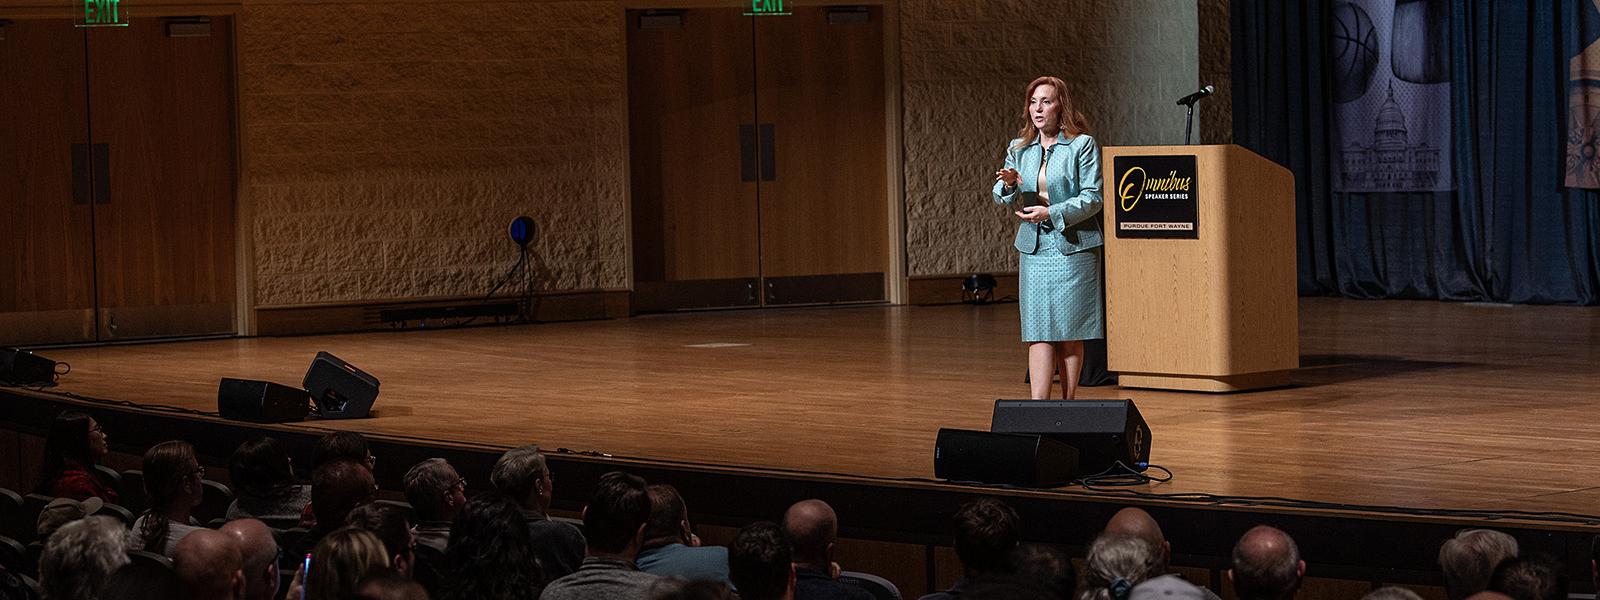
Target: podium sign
<point>1157,197</point>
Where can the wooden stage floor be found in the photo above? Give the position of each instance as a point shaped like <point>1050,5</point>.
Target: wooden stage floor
<point>1405,403</point>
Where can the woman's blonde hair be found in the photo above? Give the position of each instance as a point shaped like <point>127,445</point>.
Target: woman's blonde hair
<point>1070,120</point>
<point>339,562</point>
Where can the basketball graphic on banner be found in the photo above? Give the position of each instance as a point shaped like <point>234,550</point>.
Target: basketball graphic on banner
<point>1355,52</point>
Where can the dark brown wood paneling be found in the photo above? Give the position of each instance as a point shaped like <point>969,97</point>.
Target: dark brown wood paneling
<point>163,108</point>
<point>46,257</point>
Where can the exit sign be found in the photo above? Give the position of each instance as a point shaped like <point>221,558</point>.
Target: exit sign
<point>766,8</point>
<point>103,13</point>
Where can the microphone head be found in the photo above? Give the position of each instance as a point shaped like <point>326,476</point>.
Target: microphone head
<point>1209,89</point>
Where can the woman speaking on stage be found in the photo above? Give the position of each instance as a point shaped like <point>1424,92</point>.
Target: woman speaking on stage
<point>1051,180</point>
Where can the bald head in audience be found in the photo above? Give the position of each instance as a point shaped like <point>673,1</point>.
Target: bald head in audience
<point>1136,523</point>
<point>259,554</point>
<point>812,527</point>
<point>209,566</point>
<point>1266,565</point>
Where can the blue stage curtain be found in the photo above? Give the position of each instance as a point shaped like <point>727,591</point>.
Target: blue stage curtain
<point>1511,232</point>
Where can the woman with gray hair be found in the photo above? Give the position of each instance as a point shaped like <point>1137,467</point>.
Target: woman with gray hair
<point>1115,564</point>
<point>80,557</point>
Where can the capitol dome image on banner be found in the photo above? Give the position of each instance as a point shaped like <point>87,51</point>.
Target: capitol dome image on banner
<point>1391,89</point>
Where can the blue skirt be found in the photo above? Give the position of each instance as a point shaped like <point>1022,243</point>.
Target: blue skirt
<point>1059,295</point>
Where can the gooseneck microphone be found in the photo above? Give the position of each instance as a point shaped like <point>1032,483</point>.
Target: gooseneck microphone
<point>1195,97</point>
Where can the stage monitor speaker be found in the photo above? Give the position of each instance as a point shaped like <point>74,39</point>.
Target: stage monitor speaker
<point>1009,458</point>
<point>21,367</point>
<point>1105,432</point>
<point>340,390</point>
<point>261,401</point>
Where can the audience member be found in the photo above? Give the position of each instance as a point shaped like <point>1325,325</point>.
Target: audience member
<point>388,584</point>
<point>761,562</point>
<point>1046,566</point>
<point>172,482</point>
<point>522,475</point>
<point>1390,592</point>
<point>393,529</point>
<point>672,588</point>
<point>812,527</point>
<point>263,479</point>
<point>72,448</point>
<point>1469,559</point>
<point>337,488</point>
<point>340,560</point>
<point>259,554</point>
<point>986,534</point>
<point>343,445</point>
<point>435,492</point>
<point>78,559</point>
<point>1137,523</point>
<point>142,581</point>
<point>209,566</point>
<point>613,525</point>
<point>1266,565</point>
<point>491,554</point>
<point>1115,564</point>
<point>1536,577</point>
<point>61,511</point>
<point>670,546</point>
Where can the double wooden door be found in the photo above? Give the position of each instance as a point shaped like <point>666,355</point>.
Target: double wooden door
<point>116,180</point>
<point>757,155</point>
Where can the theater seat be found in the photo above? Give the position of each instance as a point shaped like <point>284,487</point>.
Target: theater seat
<point>880,588</point>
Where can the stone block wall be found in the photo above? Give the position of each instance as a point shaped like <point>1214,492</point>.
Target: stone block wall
<point>387,146</point>
<point>966,65</point>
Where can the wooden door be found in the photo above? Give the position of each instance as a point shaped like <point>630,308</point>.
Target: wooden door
<point>161,107</point>
<point>691,112</point>
<point>823,196</point>
<point>46,256</point>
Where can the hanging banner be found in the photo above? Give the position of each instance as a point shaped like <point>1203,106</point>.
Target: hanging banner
<point>1583,106</point>
<point>1391,88</point>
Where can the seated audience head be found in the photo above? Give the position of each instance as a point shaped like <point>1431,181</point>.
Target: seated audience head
<point>339,562</point>
<point>142,580</point>
<point>1469,559</point>
<point>434,490</point>
<point>987,531</point>
<point>261,468</point>
<point>1048,567</point>
<point>669,519</point>
<point>491,553</point>
<point>1535,577</point>
<point>78,559</point>
<point>389,584</point>
<point>1266,565</point>
<point>172,482</point>
<point>760,562</point>
<point>345,445</point>
<point>258,553</point>
<point>1114,565</point>
<point>209,566</point>
<point>613,522</point>
<point>337,488</point>
<point>521,473</point>
<point>75,442</point>
<point>1137,523</point>
<point>61,511</point>
<point>812,527</point>
<point>672,588</point>
<point>392,527</point>
<point>1391,592</point>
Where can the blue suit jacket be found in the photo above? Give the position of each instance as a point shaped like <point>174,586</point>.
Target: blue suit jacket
<point>1073,181</point>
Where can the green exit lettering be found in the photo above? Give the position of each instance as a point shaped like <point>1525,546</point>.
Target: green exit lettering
<point>101,13</point>
<point>766,8</point>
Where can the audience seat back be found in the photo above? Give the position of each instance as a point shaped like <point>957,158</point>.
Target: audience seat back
<point>32,505</point>
<point>880,588</point>
<point>215,503</point>
<point>132,495</point>
<point>11,514</point>
<point>146,558</point>
<point>118,512</point>
<point>111,477</point>
<point>14,556</point>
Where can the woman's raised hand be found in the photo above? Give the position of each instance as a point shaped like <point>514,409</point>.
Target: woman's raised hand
<point>1009,176</point>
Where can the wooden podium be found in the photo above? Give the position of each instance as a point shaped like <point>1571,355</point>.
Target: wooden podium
<point>1200,268</point>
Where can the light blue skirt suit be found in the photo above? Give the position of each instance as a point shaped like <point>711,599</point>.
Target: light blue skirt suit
<point>1059,274</point>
